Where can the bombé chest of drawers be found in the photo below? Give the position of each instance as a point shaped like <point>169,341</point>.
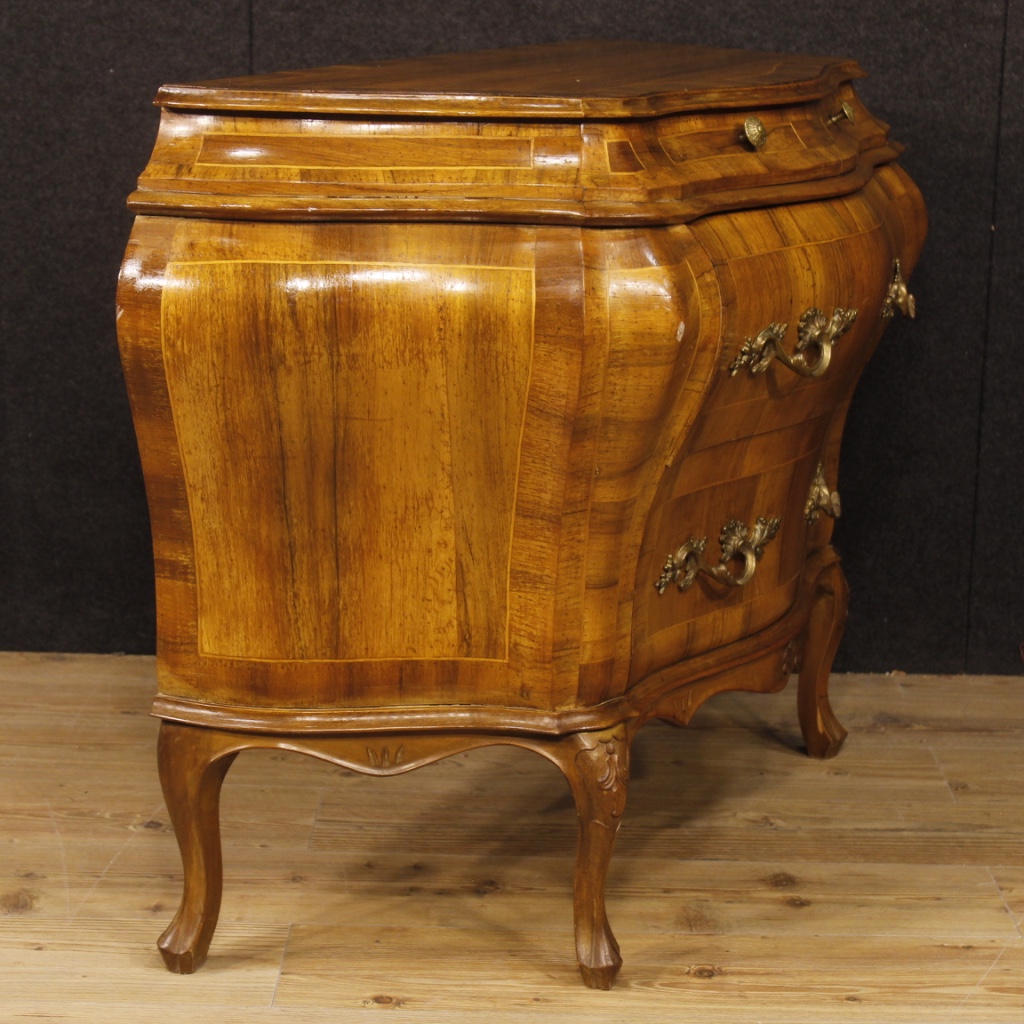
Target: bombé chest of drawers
<point>497,398</point>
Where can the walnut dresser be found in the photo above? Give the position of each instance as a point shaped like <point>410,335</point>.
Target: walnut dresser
<point>497,398</point>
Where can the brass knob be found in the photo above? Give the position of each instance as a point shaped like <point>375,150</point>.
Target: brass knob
<point>845,110</point>
<point>755,132</point>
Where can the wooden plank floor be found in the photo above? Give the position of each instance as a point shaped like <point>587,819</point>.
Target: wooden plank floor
<point>749,883</point>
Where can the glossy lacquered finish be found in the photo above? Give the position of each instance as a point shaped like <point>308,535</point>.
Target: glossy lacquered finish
<point>434,364</point>
<point>594,133</point>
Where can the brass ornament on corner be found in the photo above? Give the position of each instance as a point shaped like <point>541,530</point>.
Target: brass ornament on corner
<point>737,540</point>
<point>822,499</point>
<point>816,331</point>
<point>899,296</point>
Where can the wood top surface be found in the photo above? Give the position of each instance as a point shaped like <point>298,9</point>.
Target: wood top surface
<point>581,79</point>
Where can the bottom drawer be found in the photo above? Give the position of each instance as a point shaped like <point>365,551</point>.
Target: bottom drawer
<point>723,558</point>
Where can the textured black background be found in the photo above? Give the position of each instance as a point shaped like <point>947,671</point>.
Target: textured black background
<point>932,481</point>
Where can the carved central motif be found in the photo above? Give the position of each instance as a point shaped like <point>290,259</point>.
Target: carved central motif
<point>383,758</point>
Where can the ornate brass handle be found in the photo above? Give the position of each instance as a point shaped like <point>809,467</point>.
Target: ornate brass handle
<point>899,296</point>
<point>822,499</point>
<point>755,132</point>
<point>737,541</point>
<point>815,331</point>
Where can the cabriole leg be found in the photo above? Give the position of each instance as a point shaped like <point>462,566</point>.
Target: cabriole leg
<point>193,762</point>
<point>821,729</point>
<point>597,767</point>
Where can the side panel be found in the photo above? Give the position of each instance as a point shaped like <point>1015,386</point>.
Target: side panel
<point>395,465</point>
<point>355,474</point>
<point>350,436</point>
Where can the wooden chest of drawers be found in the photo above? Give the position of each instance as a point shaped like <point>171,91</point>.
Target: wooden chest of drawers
<point>497,398</point>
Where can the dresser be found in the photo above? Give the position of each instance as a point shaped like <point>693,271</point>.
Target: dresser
<point>497,398</point>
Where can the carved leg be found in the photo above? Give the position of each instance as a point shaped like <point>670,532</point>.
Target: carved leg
<point>597,767</point>
<point>193,762</point>
<point>822,732</point>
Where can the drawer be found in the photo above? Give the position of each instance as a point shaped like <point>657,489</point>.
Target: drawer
<point>319,146</point>
<point>726,547</point>
<point>805,293</point>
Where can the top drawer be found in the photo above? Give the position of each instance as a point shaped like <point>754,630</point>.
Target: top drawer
<point>598,133</point>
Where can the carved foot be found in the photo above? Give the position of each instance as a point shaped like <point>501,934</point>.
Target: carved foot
<point>596,948</point>
<point>600,977</point>
<point>193,763</point>
<point>597,767</point>
<point>821,729</point>
<point>185,962</point>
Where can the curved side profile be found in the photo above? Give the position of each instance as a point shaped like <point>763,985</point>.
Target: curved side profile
<point>499,415</point>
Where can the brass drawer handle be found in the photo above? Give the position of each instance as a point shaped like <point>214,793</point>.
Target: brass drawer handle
<point>737,541</point>
<point>822,498</point>
<point>815,331</point>
<point>755,132</point>
<point>899,296</point>
<point>844,111</point>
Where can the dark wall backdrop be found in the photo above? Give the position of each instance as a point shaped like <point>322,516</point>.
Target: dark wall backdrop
<point>932,480</point>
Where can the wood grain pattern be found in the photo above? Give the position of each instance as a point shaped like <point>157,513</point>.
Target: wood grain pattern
<point>383,405</point>
<point>637,132</point>
<point>755,445</point>
<point>427,390</point>
<point>603,78</point>
<point>671,170</point>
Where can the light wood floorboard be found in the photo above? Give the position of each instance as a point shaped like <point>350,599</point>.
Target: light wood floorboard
<point>749,884</point>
